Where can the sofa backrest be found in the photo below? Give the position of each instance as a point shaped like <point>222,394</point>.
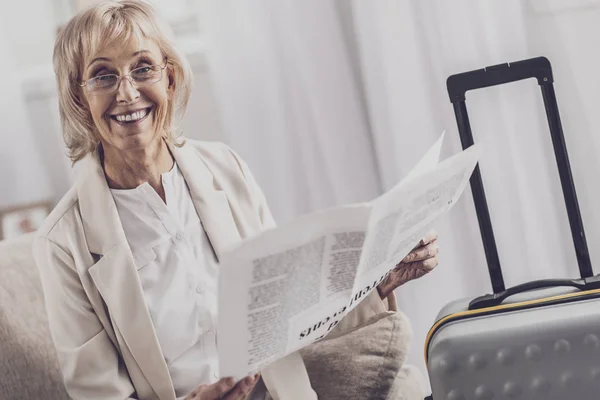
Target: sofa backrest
<point>28,363</point>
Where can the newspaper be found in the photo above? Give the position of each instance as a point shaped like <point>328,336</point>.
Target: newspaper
<point>289,286</point>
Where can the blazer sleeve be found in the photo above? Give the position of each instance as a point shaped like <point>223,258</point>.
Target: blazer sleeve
<point>88,360</point>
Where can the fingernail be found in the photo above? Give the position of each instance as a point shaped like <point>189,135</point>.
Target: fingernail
<point>230,382</point>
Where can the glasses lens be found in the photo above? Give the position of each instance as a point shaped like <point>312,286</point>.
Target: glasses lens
<point>147,75</point>
<point>101,84</point>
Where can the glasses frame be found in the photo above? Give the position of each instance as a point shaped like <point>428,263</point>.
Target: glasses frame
<point>121,77</point>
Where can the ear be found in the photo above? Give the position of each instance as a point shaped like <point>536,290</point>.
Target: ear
<point>171,81</point>
<point>81,99</point>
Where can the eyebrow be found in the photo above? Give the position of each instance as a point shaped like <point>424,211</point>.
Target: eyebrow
<point>108,59</point>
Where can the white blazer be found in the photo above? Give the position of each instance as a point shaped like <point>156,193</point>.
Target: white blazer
<point>100,324</point>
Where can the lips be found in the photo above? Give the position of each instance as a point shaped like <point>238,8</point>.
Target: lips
<point>132,117</point>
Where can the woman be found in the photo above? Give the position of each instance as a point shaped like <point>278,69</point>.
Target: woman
<point>129,257</point>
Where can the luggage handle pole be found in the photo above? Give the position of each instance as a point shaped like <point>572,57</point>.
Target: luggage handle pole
<point>540,69</point>
<point>481,207</point>
<point>566,180</point>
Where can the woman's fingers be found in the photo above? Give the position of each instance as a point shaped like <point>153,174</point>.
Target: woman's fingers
<point>430,237</point>
<point>216,390</point>
<point>425,252</point>
<point>426,265</point>
<point>243,388</point>
<point>420,261</point>
<point>225,389</point>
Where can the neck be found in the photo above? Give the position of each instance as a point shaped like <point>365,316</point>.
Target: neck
<point>129,169</point>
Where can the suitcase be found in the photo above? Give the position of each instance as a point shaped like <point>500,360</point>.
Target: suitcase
<point>537,340</point>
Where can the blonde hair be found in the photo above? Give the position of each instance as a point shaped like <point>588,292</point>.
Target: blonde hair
<point>82,36</point>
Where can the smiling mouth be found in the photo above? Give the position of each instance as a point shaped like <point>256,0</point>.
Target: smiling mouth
<point>132,118</point>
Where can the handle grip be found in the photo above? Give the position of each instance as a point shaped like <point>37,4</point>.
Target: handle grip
<point>492,300</point>
<point>499,74</point>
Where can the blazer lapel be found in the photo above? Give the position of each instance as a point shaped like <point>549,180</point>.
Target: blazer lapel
<point>116,277</point>
<point>209,199</point>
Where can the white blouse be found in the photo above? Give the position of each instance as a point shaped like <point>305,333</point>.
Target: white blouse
<point>178,271</point>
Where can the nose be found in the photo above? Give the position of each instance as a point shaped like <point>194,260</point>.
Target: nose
<point>126,92</point>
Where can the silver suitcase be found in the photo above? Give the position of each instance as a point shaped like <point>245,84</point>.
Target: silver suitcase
<point>539,340</point>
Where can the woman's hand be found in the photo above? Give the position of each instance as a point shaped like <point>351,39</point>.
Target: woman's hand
<point>421,260</point>
<point>225,389</point>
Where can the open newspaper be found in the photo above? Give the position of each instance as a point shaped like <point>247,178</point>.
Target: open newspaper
<point>289,286</point>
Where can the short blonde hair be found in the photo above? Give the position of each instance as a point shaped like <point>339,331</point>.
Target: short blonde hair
<point>81,37</point>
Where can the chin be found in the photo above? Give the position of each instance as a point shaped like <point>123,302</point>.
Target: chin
<point>138,141</point>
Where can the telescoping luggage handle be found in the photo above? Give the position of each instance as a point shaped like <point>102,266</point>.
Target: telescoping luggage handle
<point>540,69</point>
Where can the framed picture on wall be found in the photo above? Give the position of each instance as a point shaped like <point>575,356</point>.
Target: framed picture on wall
<point>16,221</point>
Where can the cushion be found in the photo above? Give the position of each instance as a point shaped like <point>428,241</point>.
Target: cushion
<point>367,362</point>
<point>28,362</point>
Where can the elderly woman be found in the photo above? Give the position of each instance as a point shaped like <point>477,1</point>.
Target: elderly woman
<point>129,257</point>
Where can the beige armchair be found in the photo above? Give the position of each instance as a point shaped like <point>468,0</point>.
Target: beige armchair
<point>28,363</point>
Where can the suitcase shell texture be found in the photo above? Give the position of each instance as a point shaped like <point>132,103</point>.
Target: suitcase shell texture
<point>538,340</point>
<point>537,346</point>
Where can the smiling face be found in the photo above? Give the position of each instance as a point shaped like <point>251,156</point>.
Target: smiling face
<point>128,118</point>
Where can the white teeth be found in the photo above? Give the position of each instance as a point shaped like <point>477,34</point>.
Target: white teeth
<point>132,117</point>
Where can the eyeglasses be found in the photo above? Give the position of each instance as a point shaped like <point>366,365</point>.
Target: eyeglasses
<point>139,77</point>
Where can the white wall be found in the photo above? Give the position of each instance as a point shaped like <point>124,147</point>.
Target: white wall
<point>23,177</point>
<point>29,27</point>
<point>202,118</point>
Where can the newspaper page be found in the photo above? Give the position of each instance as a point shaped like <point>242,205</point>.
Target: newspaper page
<point>289,286</point>
<point>307,264</point>
<point>404,215</point>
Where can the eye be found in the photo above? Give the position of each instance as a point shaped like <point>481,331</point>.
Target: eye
<point>143,70</point>
<point>147,74</point>
<point>104,78</point>
<point>104,81</point>
<point>102,73</point>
